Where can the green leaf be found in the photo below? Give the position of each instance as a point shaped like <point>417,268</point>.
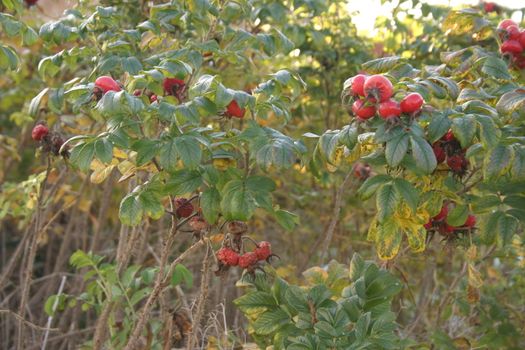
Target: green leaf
<point>370,186</point>
<point>255,301</point>
<point>396,149</point>
<point>496,68</point>
<point>464,130</point>
<point>82,155</point>
<point>189,150</point>
<point>183,181</point>
<point>489,227</point>
<point>423,154</point>
<point>497,161</point>
<point>146,150</point>
<point>210,202</point>
<point>458,215</point>
<point>439,125</point>
<point>489,133</point>
<point>381,65</point>
<point>357,267</point>
<point>408,192</point>
<point>286,219</point>
<point>169,154</point>
<point>34,106</point>
<point>237,202</point>
<point>130,211</point>
<point>151,204</point>
<point>8,59</point>
<point>507,226</point>
<point>271,321</point>
<point>511,101</point>
<point>182,274</point>
<point>104,150</point>
<point>386,201</point>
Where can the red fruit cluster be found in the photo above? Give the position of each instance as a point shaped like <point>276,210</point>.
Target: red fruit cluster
<point>448,148</point>
<point>229,257</point>
<point>173,86</point>
<point>513,42</point>
<point>233,110</point>
<point>183,207</point>
<point>51,141</point>
<point>373,94</point>
<point>439,223</point>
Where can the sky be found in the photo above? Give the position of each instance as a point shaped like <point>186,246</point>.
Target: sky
<point>368,10</point>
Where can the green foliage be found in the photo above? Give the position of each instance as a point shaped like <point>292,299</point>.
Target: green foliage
<point>348,308</point>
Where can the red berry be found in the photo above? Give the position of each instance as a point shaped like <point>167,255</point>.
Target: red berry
<point>389,109</point>
<point>470,222</point>
<point>358,83</point>
<point>183,207</point>
<point>456,162</point>
<point>172,86</point>
<point>522,38</point>
<point>234,110</point>
<point>39,132</point>
<point>248,259</point>
<point>412,103</point>
<point>228,256</point>
<point>428,225</point>
<point>378,87</point>
<point>153,98</point>
<point>511,46</point>
<point>439,152</point>
<point>513,32</point>
<point>442,214</point>
<point>449,136</point>
<point>137,92</point>
<point>362,111</point>
<point>490,7</point>
<point>263,251</point>
<point>506,23</point>
<point>107,83</point>
<point>519,62</point>
<point>30,2</point>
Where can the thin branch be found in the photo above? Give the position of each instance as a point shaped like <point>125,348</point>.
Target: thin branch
<point>26,322</point>
<point>329,234</point>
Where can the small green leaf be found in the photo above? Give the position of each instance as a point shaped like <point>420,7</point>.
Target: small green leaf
<point>396,149</point>
<point>130,211</point>
<point>423,154</point>
<point>386,201</point>
<point>210,203</point>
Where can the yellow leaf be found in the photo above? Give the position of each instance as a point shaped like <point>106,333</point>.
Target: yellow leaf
<point>118,153</point>
<point>474,277</point>
<point>388,239</point>
<point>101,174</point>
<point>372,231</point>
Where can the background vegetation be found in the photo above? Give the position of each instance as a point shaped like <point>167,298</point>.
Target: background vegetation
<point>95,254</point>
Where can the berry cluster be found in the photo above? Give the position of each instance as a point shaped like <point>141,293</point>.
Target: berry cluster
<point>50,141</point>
<point>439,223</point>
<point>373,95</point>
<point>104,84</point>
<point>513,42</point>
<point>233,110</point>
<point>448,148</point>
<point>227,256</point>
